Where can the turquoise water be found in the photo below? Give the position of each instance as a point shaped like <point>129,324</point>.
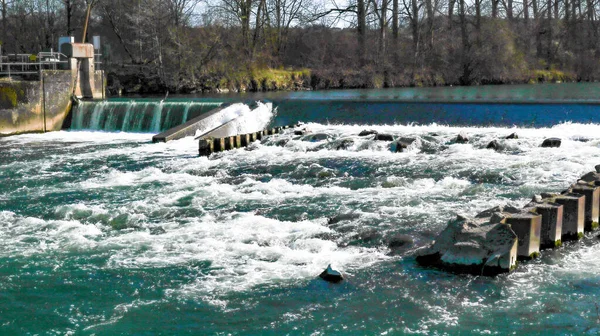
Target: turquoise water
<point>106,233</point>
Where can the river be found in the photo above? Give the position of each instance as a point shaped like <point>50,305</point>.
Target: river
<point>107,233</point>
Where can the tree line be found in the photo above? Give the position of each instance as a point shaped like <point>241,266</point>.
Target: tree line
<point>260,44</point>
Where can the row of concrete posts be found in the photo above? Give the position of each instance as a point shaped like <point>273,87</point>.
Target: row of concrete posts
<point>213,145</point>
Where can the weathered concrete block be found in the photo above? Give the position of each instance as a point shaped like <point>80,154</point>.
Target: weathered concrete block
<point>573,215</point>
<point>477,246</point>
<point>528,227</point>
<point>205,147</point>
<point>254,136</point>
<point>78,50</point>
<point>592,203</point>
<point>552,222</point>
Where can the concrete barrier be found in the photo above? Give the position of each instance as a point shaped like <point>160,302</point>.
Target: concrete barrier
<point>213,145</point>
<point>527,226</point>
<point>552,223</point>
<point>592,203</point>
<point>573,215</point>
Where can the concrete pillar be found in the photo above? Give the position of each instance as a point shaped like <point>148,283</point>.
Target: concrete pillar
<point>219,144</point>
<point>527,226</point>
<point>552,222</point>
<point>254,137</point>
<point>229,143</point>
<point>592,203</point>
<point>259,135</point>
<point>245,140</point>
<point>237,141</point>
<point>206,147</point>
<point>573,215</point>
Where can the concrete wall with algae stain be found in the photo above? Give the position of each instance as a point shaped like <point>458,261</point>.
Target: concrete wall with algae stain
<point>35,106</point>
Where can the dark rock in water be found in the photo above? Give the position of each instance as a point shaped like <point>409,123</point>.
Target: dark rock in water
<point>512,136</point>
<point>342,217</point>
<point>345,144</point>
<point>476,246</point>
<point>495,145</point>
<point>400,241</point>
<point>383,137</point>
<point>581,139</point>
<point>368,237</point>
<point>551,143</point>
<point>461,139</point>
<point>298,132</point>
<point>367,132</point>
<point>597,167</point>
<point>158,230</point>
<point>398,146</point>
<point>331,275</point>
<point>316,137</point>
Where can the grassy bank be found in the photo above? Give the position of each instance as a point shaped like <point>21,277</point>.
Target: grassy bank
<point>145,81</point>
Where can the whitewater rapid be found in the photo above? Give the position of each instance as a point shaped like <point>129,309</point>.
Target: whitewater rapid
<point>277,213</point>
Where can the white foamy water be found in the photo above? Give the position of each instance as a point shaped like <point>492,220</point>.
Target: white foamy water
<point>269,215</point>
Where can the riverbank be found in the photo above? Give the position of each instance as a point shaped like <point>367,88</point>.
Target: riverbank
<point>140,80</point>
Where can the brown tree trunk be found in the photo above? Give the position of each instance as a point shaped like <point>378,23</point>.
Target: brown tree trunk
<point>465,78</point>
<point>395,19</point>
<point>451,4</point>
<point>495,8</point>
<point>361,30</point>
<point>383,29</point>
<point>414,23</point>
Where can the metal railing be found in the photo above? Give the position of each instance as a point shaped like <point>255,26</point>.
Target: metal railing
<point>29,64</point>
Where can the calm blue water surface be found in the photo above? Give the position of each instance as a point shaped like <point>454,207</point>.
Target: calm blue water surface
<point>109,234</point>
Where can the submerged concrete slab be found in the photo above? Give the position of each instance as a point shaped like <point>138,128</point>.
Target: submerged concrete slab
<point>203,123</point>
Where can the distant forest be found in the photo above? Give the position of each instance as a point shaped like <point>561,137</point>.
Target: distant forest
<point>219,45</point>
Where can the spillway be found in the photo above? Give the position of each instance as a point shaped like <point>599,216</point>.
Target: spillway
<point>137,115</point>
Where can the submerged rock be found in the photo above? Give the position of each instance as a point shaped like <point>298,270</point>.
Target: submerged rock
<point>384,137</point>
<point>316,137</point>
<point>473,245</point>
<point>400,241</point>
<point>551,143</point>
<point>461,139</point>
<point>367,132</point>
<point>344,144</point>
<point>495,145</point>
<point>398,146</point>
<point>331,275</point>
<point>342,217</point>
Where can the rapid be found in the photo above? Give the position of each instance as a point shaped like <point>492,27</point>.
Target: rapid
<point>107,233</point>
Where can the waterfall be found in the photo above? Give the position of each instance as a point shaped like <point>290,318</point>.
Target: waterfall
<point>136,115</point>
